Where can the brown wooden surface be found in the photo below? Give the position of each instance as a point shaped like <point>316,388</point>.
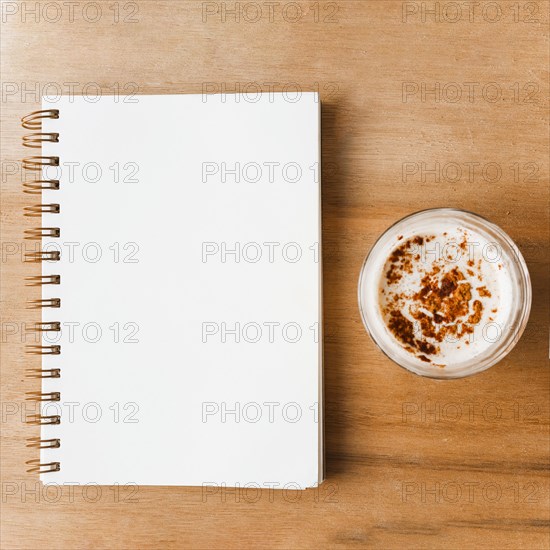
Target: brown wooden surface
<point>386,448</point>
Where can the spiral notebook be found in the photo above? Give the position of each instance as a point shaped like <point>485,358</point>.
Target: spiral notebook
<point>179,242</point>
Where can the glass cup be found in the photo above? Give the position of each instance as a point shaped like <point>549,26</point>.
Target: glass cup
<point>491,340</point>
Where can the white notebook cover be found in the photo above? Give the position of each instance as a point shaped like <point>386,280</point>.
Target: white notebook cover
<point>191,345</point>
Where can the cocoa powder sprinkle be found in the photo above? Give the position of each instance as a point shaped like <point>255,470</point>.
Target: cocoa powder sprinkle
<point>443,305</point>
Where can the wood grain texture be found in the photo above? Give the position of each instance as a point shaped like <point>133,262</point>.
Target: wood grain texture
<point>411,462</point>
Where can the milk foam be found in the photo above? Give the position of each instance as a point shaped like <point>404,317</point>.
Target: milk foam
<point>446,245</point>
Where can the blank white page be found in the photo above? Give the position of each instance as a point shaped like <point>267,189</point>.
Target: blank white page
<point>190,290</point>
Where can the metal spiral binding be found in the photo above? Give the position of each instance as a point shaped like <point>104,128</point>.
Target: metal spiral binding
<point>43,467</point>
<point>43,420</point>
<point>46,327</point>
<point>36,210</point>
<point>35,140</point>
<point>39,280</point>
<point>43,443</point>
<point>33,121</point>
<point>43,256</point>
<point>43,373</point>
<point>35,187</point>
<point>48,302</point>
<point>43,350</point>
<point>36,164</point>
<point>38,233</point>
<point>41,396</point>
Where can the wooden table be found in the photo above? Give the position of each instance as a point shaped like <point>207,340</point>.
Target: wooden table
<point>421,108</point>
